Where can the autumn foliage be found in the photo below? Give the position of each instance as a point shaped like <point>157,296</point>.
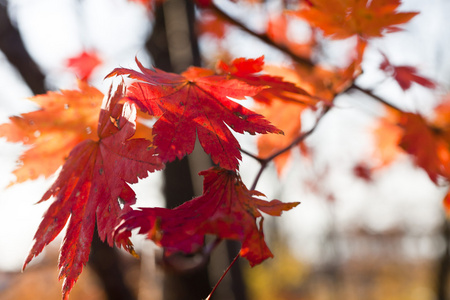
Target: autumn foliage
<point>102,154</point>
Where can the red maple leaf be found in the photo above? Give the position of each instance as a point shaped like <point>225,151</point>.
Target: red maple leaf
<point>429,145</point>
<point>248,70</point>
<point>84,64</point>
<point>226,209</point>
<point>90,185</point>
<point>195,102</point>
<point>405,75</point>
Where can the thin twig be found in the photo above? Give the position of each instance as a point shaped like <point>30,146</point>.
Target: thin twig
<point>264,162</point>
<point>261,36</point>
<point>221,278</point>
<point>258,175</point>
<point>378,98</point>
<point>251,155</point>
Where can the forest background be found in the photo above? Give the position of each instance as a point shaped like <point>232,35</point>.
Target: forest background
<point>339,206</point>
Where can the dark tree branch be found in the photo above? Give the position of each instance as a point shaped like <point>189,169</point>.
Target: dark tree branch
<point>371,94</point>
<point>12,46</point>
<point>443,267</point>
<point>262,37</point>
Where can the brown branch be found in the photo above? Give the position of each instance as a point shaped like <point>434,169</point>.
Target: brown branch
<point>12,46</point>
<point>378,98</point>
<point>255,157</point>
<point>261,36</point>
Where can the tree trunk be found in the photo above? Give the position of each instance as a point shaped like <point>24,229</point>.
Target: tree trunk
<point>173,53</point>
<point>105,261</point>
<point>443,266</point>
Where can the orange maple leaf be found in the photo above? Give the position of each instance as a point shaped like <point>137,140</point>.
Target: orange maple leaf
<point>278,31</point>
<point>284,111</point>
<point>446,203</point>
<point>212,24</point>
<point>65,119</point>
<point>427,141</point>
<point>340,19</point>
<point>285,116</point>
<point>387,135</point>
<point>321,83</point>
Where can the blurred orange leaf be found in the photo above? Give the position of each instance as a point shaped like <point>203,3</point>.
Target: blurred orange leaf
<point>322,84</point>
<point>340,19</point>
<point>285,116</point>
<point>387,135</point>
<point>65,119</point>
<point>210,23</point>
<point>278,31</point>
<point>428,142</point>
<point>446,203</point>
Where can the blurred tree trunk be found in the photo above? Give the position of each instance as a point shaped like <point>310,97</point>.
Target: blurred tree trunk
<point>171,52</point>
<point>173,46</point>
<point>443,267</point>
<point>105,261</point>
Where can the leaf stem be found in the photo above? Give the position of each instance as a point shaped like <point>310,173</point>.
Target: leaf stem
<point>221,278</point>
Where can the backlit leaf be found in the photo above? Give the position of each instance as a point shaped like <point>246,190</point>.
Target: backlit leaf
<point>195,103</point>
<point>340,19</point>
<point>65,119</point>
<point>87,192</point>
<point>226,209</point>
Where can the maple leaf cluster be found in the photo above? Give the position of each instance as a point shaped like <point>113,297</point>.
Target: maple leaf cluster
<point>93,187</point>
<point>103,153</point>
<point>426,140</point>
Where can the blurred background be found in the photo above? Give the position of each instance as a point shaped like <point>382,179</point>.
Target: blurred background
<point>356,234</point>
